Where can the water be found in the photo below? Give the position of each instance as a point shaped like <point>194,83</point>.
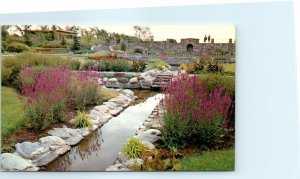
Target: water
<point>100,149</point>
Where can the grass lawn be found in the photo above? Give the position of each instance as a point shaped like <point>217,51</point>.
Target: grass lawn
<point>230,67</point>
<point>11,110</point>
<point>218,160</point>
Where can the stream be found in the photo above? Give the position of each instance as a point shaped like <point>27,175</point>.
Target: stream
<point>100,149</point>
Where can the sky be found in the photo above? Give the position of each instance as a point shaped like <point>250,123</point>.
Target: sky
<point>220,33</point>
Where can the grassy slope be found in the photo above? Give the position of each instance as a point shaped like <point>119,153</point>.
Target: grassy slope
<point>11,110</point>
<point>219,160</point>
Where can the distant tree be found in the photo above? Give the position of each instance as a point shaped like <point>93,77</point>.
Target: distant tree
<point>63,41</point>
<point>143,33</point>
<point>88,36</point>
<point>23,29</point>
<point>4,32</point>
<point>44,27</point>
<point>76,44</point>
<point>123,46</point>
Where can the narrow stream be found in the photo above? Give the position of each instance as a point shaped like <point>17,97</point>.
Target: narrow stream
<point>100,149</point>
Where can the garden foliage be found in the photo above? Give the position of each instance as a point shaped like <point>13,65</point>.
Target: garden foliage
<point>51,91</point>
<point>194,114</point>
<point>133,148</point>
<point>82,120</point>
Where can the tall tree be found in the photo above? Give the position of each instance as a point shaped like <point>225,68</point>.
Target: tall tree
<point>143,32</point>
<point>88,36</point>
<point>4,31</point>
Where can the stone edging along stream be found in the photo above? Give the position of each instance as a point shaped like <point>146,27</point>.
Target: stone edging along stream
<point>148,134</point>
<point>30,156</point>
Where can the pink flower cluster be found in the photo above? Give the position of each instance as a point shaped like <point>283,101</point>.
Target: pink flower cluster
<point>187,98</point>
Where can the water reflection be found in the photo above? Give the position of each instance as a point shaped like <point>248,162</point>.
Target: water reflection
<point>100,149</point>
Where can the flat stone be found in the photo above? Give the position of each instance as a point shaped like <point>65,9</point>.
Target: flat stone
<point>11,162</point>
<point>114,168</point>
<point>148,145</point>
<point>113,80</point>
<point>46,159</point>
<point>59,132</point>
<point>150,136</point>
<point>52,141</point>
<point>156,126</point>
<point>102,108</point>
<point>74,140</point>
<point>153,132</point>
<point>131,162</point>
<point>85,131</point>
<point>72,121</point>
<point>62,150</point>
<point>128,92</point>
<point>30,150</point>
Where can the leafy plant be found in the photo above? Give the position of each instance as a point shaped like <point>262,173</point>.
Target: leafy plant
<point>138,66</point>
<point>133,148</point>
<point>17,47</point>
<point>194,114</point>
<point>157,63</point>
<point>82,120</point>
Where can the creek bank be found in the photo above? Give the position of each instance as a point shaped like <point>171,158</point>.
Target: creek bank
<point>30,156</point>
<point>148,133</point>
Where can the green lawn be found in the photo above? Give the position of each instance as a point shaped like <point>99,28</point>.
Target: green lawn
<point>218,160</point>
<point>229,67</point>
<point>11,110</point>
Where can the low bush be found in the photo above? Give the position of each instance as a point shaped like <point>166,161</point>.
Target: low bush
<point>3,46</point>
<point>46,91</point>
<point>51,91</point>
<point>157,63</point>
<point>204,65</point>
<point>133,148</point>
<point>138,66</point>
<point>82,120</point>
<point>12,65</point>
<point>138,50</point>
<point>17,47</point>
<point>83,91</point>
<point>118,65</point>
<point>194,114</point>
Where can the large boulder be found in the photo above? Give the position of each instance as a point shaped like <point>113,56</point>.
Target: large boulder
<point>134,80</point>
<point>71,136</point>
<point>30,150</point>
<point>11,162</point>
<point>52,141</point>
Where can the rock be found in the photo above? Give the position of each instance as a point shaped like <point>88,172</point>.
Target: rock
<point>114,108</point>
<point>128,93</point>
<point>71,136</point>
<point>113,80</point>
<point>105,79</point>
<point>131,162</point>
<point>62,150</point>
<point>114,168</point>
<point>112,84</point>
<point>30,150</point>
<point>151,135</point>
<point>122,158</point>
<point>153,132</point>
<point>85,131</point>
<point>133,80</point>
<point>46,159</point>
<point>59,132</point>
<point>99,81</point>
<point>72,121</point>
<point>74,140</point>
<point>52,141</point>
<point>148,145</point>
<point>11,162</point>
<point>156,126</point>
<point>121,101</point>
<point>102,108</point>
<point>123,80</point>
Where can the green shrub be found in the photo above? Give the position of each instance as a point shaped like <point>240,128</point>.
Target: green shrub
<point>12,65</point>
<point>3,46</point>
<point>138,50</point>
<point>74,64</point>
<point>133,148</point>
<point>217,80</point>
<point>17,47</point>
<point>123,46</point>
<point>138,66</point>
<point>14,38</point>
<point>157,63</point>
<point>82,120</point>
<point>214,67</point>
<point>83,92</point>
